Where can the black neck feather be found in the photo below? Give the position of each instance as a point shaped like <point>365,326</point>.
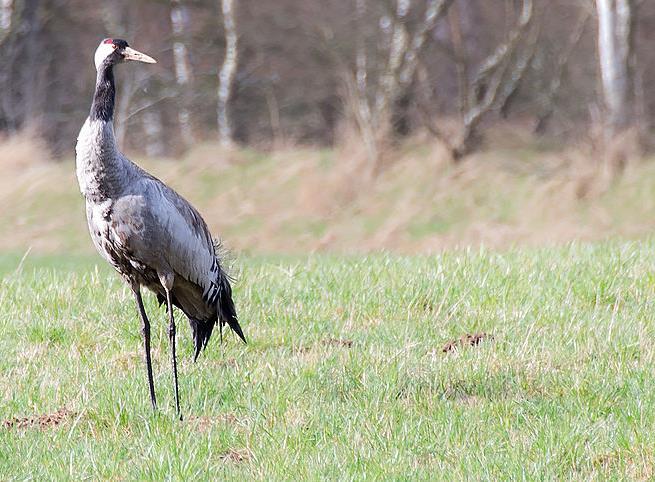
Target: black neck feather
<point>103,99</point>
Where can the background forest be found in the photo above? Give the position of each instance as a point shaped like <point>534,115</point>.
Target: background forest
<point>551,99</point>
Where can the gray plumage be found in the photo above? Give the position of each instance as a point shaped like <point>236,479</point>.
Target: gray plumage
<point>150,234</point>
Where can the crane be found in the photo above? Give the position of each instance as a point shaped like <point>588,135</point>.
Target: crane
<point>150,234</point>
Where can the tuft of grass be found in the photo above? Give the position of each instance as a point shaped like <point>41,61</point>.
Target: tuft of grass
<point>344,376</point>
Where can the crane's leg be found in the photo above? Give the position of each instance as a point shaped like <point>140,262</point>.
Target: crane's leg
<point>167,282</point>
<point>146,342</point>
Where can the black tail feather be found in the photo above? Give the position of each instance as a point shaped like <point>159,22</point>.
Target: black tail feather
<point>202,332</point>
<point>226,311</point>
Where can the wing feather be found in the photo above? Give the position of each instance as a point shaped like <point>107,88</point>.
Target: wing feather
<point>185,239</point>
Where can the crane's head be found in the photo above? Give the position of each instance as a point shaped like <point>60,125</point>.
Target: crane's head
<point>115,51</point>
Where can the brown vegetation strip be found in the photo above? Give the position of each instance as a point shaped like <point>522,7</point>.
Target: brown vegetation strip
<point>466,340</point>
<point>39,421</point>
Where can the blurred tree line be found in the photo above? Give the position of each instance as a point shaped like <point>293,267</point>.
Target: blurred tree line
<point>310,71</point>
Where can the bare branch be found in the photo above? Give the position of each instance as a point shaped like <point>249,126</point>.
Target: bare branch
<point>499,73</point>
<point>547,100</point>
<point>435,10</point>
<point>516,74</point>
<point>504,50</point>
<point>460,57</point>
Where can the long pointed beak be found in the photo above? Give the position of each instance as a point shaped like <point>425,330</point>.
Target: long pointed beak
<point>131,54</point>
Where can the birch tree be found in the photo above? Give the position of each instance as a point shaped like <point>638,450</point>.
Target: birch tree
<point>30,61</point>
<point>6,8</point>
<point>154,133</point>
<point>615,34</point>
<point>376,84</point>
<point>6,111</point>
<point>22,69</point>
<point>494,81</point>
<point>547,98</point>
<point>179,23</point>
<point>497,76</point>
<point>227,73</point>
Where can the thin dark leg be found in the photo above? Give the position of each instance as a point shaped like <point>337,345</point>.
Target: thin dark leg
<point>146,343</point>
<point>171,336</point>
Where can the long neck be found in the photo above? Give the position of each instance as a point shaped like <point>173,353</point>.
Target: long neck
<point>103,99</point>
<point>101,169</point>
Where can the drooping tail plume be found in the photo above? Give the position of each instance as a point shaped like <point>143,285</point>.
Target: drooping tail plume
<point>226,311</point>
<point>202,330</point>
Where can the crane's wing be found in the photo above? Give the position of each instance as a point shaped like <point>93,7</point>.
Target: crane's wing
<point>184,238</point>
<point>187,246</point>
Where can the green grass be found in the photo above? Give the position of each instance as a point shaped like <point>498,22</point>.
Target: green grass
<point>566,389</point>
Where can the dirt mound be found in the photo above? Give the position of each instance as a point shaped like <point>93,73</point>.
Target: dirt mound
<point>42,422</point>
<point>465,341</point>
<point>236,455</point>
<point>337,342</point>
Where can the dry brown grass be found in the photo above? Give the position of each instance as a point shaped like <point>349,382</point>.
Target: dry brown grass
<point>22,151</point>
<point>299,199</point>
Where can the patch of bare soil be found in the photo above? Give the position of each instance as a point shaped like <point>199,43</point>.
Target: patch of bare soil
<point>205,423</point>
<point>466,341</point>
<point>337,342</point>
<point>636,464</point>
<point>229,363</point>
<point>42,422</point>
<point>236,455</point>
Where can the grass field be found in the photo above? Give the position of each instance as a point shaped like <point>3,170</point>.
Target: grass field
<point>344,376</point>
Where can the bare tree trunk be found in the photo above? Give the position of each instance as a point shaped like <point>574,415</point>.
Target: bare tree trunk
<point>372,104</point>
<point>461,57</point>
<point>30,64</point>
<point>615,22</point>
<point>6,9</point>
<point>434,11</point>
<point>363,108</point>
<point>179,23</point>
<point>548,98</point>
<point>404,52</point>
<point>227,73</point>
<point>522,61</point>
<point>494,83</point>
<point>153,128</point>
<point>389,78</point>
<point>500,72</point>
<point>274,115</point>
<point>8,24</point>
